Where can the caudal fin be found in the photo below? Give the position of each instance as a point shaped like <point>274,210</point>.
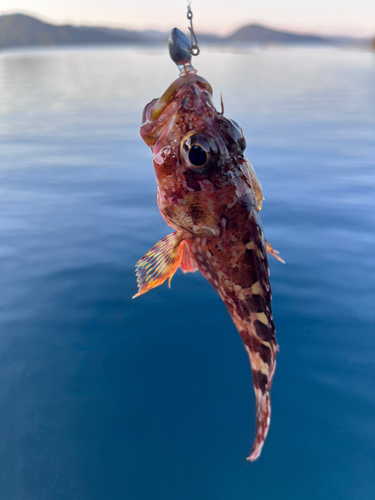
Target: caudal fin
<point>263,417</point>
<point>263,363</point>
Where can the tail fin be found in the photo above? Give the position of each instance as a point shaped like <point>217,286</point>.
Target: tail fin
<point>263,363</point>
<point>263,417</point>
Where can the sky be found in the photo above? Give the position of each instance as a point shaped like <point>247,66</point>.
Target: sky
<point>327,17</point>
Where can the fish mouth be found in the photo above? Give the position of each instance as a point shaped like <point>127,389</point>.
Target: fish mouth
<point>147,110</point>
<point>161,104</point>
<point>151,125</point>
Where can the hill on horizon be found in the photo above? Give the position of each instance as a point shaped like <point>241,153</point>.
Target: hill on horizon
<point>21,30</point>
<point>261,34</point>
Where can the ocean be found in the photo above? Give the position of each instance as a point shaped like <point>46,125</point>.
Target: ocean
<point>105,397</point>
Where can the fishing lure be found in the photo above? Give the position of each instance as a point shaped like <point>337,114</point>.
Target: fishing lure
<point>208,192</point>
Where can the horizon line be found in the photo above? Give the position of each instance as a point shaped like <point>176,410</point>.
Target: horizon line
<point>215,33</point>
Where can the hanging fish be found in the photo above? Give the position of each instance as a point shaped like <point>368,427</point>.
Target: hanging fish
<point>209,194</point>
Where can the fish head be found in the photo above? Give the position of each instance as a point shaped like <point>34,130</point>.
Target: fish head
<point>198,153</point>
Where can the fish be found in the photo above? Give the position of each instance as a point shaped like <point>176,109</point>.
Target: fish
<point>209,194</point>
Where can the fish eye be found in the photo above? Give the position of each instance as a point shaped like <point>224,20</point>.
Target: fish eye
<point>241,139</point>
<point>198,157</point>
<point>236,125</point>
<point>197,151</point>
<point>242,143</point>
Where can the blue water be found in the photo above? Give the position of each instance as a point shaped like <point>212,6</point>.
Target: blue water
<point>105,398</point>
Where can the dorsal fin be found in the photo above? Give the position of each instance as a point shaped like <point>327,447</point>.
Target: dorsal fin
<point>274,252</point>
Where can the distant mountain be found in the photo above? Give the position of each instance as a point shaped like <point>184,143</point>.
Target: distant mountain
<point>19,30</point>
<point>255,33</point>
<point>152,35</point>
<point>123,35</point>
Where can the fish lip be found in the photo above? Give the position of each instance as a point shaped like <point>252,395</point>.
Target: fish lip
<point>174,88</point>
<point>152,125</point>
<point>148,110</point>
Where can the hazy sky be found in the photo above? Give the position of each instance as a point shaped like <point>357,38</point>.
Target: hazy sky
<point>351,17</point>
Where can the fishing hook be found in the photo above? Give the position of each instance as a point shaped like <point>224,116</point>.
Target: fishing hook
<point>194,49</point>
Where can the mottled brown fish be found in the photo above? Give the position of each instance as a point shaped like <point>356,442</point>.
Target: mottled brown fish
<point>209,193</point>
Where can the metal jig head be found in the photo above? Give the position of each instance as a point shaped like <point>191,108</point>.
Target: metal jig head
<point>181,50</point>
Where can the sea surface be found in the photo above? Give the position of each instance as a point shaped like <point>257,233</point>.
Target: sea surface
<point>107,398</point>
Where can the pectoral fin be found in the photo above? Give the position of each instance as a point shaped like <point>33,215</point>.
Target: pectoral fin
<point>160,263</point>
<point>274,252</point>
<point>188,264</point>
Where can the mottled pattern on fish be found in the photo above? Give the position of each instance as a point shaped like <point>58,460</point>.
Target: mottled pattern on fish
<point>213,207</point>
